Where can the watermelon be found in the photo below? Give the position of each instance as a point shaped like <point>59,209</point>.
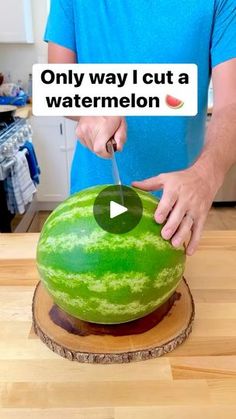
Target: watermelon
<point>174,103</point>
<point>102,277</point>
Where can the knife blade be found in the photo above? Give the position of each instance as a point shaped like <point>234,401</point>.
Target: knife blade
<point>111,148</point>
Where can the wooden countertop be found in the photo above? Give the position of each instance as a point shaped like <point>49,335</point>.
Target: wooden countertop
<point>197,380</point>
<point>209,111</point>
<point>24,111</point>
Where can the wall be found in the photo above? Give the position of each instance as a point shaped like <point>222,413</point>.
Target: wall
<point>19,58</point>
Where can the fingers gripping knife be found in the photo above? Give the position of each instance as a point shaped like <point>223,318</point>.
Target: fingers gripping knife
<point>111,147</point>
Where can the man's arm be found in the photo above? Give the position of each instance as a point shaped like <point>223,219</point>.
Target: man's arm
<point>220,146</point>
<point>188,194</point>
<point>60,55</point>
<point>93,132</point>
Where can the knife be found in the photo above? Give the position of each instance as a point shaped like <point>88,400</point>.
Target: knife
<point>111,147</point>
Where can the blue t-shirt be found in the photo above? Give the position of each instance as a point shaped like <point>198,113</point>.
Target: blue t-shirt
<point>146,31</point>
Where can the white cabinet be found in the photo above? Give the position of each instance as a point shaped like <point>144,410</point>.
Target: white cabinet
<point>54,141</point>
<point>227,193</point>
<point>70,127</point>
<point>16,22</point>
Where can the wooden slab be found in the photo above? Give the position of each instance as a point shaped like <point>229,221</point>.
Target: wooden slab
<point>160,339</point>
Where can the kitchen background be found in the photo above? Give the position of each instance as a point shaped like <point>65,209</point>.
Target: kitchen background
<point>53,139</point>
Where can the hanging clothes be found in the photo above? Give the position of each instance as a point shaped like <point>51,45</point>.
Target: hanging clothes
<point>19,186</point>
<point>32,161</point>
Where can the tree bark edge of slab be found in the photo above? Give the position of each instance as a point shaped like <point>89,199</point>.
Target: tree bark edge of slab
<point>116,357</point>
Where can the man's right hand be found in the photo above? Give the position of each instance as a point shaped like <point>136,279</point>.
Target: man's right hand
<point>95,132</point>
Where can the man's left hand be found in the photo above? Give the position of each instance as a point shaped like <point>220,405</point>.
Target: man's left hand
<point>185,203</point>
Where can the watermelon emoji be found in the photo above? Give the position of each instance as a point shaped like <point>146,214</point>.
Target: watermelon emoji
<point>102,277</point>
<point>174,103</point>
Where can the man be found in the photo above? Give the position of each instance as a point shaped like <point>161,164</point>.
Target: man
<point>172,154</point>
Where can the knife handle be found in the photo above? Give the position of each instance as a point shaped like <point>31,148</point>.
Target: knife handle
<point>111,145</point>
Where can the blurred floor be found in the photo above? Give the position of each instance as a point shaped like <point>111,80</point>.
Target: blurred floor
<point>221,219</point>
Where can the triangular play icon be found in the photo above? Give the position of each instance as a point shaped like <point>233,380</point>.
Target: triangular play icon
<point>116,209</point>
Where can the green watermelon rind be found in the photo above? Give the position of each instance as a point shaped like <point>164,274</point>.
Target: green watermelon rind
<point>101,277</point>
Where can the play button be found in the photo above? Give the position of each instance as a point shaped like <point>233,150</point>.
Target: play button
<point>118,209</point>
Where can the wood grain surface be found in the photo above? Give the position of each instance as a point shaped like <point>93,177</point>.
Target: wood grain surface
<point>24,111</point>
<point>146,338</point>
<point>197,380</point>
